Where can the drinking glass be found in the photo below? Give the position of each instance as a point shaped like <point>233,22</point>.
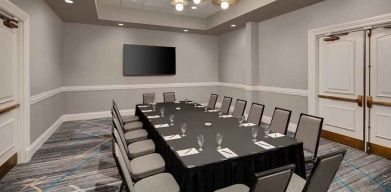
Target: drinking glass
<point>267,130</point>
<point>254,133</point>
<point>162,111</point>
<point>241,120</point>
<point>172,120</point>
<point>219,139</point>
<point>195,104</point>
<point>206,108</point>
<point>185,101</point>
<point>183,129</point>
<point>154,106</point>
<point>220,113</point>
<point>200,140</point>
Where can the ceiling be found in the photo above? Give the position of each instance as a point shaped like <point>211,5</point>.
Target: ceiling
<point>204,9</point>
<point>161,15</point>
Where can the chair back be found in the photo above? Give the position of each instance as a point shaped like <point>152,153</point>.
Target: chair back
<point>226,105</point>
<point>118,113</point>
<point>280,120</point>
<point>323,173</point>
<point>239,108</point>
<point>255,114</point>
<point>118,127</point>
<point>169,97</point>
<point>308,131</point>
<point>148,98</point>
<point>122,148</point>
<point>121,165</point>
<point>212,101</point>
<point>274,180</point>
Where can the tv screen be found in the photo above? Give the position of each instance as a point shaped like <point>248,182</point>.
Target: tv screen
<point>142,60</point>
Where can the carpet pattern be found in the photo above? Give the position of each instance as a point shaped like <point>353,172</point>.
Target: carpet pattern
<point>78,157</point>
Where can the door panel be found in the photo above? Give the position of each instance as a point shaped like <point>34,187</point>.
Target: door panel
<point>341,64</point>
<point>380,86</point>
<point>8,92</point>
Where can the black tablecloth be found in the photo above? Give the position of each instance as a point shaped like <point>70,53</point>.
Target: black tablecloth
<point>209,170</point>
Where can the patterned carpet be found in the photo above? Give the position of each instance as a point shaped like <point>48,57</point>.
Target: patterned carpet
<point>78,157</point>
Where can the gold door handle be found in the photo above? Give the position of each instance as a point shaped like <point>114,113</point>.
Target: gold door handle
<point>359,99</point>
<point>371,102</point>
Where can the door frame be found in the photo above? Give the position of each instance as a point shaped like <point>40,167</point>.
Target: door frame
<point>23,79</point>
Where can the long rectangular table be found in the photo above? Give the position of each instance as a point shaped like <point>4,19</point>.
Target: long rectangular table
<point>209,170</point>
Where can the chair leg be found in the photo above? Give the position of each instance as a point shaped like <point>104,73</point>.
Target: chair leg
<point>121,187</point>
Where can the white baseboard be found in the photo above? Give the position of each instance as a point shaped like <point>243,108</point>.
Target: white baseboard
<point>33,148</point>
<point>291,127</point>
<point>94,115</point>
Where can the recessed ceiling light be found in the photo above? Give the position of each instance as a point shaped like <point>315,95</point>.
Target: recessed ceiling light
<point>186,30</point>
<point>233,25</point>
<point>179,6</point>
<point>69,1</point>
<point>196,2</point>
<point>224,4</point>
<point>120,24</point>
<point>193,7</point>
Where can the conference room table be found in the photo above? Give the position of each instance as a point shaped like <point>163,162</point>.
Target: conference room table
<point>211,169</point>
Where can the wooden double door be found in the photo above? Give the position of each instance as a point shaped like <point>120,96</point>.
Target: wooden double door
<point>355,88</point>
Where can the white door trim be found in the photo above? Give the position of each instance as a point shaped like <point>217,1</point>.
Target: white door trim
<point>23,132</point>
<point>313,35</point>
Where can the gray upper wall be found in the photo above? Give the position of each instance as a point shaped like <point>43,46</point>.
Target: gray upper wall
<point>283,39</point>
<point>46,32</point>
<point>93,55</point>
<point>232,47</point>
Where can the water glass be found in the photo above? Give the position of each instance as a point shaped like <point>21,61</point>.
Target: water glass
<point>172,120</point>
<point>200,140</point>
<point>219,140</point>
<point>206,108</point>
<point>162,112</point>
<point>241,120</point>
<point>266,128</point>
<point>185,101</point>
<point>183,129</point>
<point>220,113</point>
<point>254,133</point>
<point>154,106</point>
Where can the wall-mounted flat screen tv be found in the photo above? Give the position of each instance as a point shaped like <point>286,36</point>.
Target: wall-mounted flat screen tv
<point>141,60</point>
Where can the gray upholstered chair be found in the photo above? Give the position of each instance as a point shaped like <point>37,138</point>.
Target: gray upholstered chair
<point>148,98</point>
<point>274,180</point>
<point>226,105</point>
<point>239,108</point>
<point>280,120</point>
<point>162,182</point>
<point>127,119</point>
<point>255,114</point>
<point>143,166</point>
<point>212,101</point>
<point>130,126</point>
<point>135,149</point>
<point>322,175</point>
<point>130,136</point>
<point>169,97</point>
<point>308,131</point>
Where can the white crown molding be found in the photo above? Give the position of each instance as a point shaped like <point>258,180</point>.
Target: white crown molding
<point>45,95</point>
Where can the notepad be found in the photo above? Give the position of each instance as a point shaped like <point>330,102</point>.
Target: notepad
<point>172,137</point>
<point>226,116</point>
<point>153,116</point>
<point>190,102</point>
<point>143,106</point>
<point>264,145</point>
<point>213,110</point>
<point>200,106</point>
<point>186,152</point>
<point>145,111</point>
<point>275,135</point>
<point>247,125</point>
<point>162,125</point>
<point>227,153</point>
<point>178,108</point>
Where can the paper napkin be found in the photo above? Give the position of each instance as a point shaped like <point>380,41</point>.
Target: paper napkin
<point>247,125</point>
<point>227,153</point>
<point>226,116</point>
<point>162,125</point>
<point>213,110</point>
<point>264,145</point>
<point>143,106</point>
<point>172,137</point>
<point>153,116</point>
<point>186,152</point>
<point>145,111</point>
<point>200,106</point>
<point>275,135</point>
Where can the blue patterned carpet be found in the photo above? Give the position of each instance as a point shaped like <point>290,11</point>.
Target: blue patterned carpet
<point>77,157</point>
